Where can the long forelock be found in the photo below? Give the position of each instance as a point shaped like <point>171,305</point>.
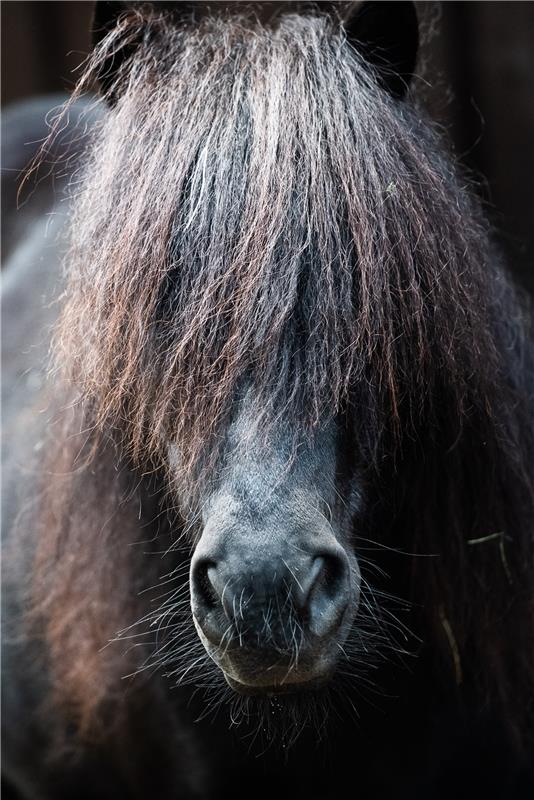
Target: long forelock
<point>257,209</point>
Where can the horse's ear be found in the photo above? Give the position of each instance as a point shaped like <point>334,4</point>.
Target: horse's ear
<point>387,36</point>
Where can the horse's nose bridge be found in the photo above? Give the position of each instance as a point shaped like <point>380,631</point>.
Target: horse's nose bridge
<point>266,543</point>
<point>255,558</point>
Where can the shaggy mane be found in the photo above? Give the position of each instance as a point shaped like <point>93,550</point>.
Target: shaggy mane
<point>256,209</point>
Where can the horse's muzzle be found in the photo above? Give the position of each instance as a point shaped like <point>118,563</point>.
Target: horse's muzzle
<point>273,616</point>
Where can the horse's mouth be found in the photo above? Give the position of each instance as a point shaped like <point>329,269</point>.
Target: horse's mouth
<point>264,672</point>
<point>287,687</point>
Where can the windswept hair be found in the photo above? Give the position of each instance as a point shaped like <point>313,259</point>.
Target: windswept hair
<point>257,210</point>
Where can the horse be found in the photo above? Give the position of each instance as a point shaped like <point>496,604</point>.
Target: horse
<point>269,502</point>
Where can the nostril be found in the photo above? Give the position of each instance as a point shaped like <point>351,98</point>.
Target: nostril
<point>333,575</point>
<point>329,593</point>
<point>204,592</point>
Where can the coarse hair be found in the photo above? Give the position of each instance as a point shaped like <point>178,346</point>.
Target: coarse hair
<point>257,209</point>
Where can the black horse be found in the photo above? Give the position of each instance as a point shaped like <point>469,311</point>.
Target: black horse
<point>269,507</point>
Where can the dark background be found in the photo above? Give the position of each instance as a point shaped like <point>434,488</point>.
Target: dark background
<point>476,75</point>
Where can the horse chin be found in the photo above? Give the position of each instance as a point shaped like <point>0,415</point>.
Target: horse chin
<point>281,713</point>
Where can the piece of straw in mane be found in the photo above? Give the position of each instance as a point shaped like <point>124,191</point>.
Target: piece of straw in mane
<point>257,211</point>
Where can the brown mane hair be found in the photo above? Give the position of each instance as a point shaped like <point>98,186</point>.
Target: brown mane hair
<point>255,207</point>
